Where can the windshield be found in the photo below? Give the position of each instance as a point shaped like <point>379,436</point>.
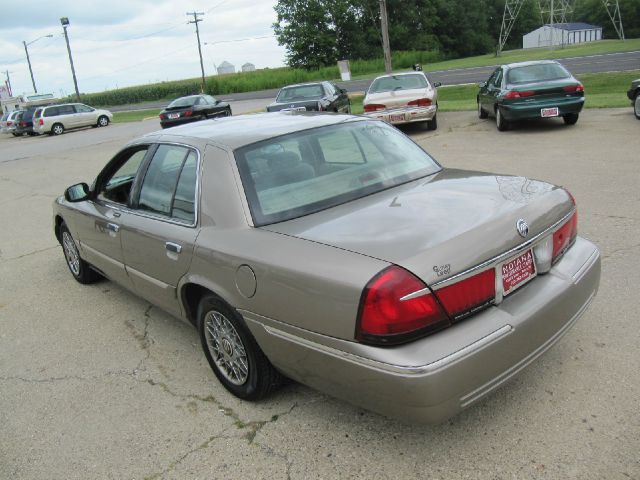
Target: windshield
<point>183,102</point>
<point>302,92</point>
<point>305,172</point>
<point>398,82</point>
<point>537,73</point>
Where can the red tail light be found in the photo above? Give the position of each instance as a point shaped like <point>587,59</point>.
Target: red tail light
<point>574,88</point>
<point>469,295</point>
<point>162,116</point>
<point>385,318</point>
<point>374,107</point>
<point>512,94</point>
<point>421,102</point>
<point>563,237</point>
<point>188,113</point>
<point>23,124</point>
<point>9,123</point>
<point>41,122</point>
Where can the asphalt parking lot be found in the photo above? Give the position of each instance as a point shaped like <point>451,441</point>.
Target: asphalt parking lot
<point>96,383</point>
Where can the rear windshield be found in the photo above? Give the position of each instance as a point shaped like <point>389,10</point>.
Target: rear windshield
<point>303,92</point>
<point>537,73</point>
<point>305,172</point>
<point>398,82</point>
<point>183,102</point>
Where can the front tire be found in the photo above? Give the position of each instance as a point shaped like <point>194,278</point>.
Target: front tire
<point>103,121</point>
<point>80,269</point>
<point>232,352</point>
<point>570,118</point>
<point>57,129</point>
<point>501,123</point>
<point>636,105</point>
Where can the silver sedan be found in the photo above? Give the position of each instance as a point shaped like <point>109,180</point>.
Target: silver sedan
<point>333,250</point>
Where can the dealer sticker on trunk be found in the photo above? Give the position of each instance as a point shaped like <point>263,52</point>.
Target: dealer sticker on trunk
<point>517,271</point>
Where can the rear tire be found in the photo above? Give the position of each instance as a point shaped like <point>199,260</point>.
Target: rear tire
<point>232,352</point>
<point>433,123</point>
<point>57,129</point>
<point>103,121</point>
<point>501,123</point>
<point>570,118</point>
<point>481,113</point>
<point>80,269</point>
<point>636,105</point>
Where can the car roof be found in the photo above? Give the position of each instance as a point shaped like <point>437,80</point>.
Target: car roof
<point>238,131</point>
<point>302,84</point>
<point>399,74</point>
<point>532,62</point>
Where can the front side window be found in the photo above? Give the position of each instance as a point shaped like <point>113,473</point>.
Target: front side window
<point>168,188</point>
<point>309,171</point>
<point>80,108</point>
<point>117,182</point>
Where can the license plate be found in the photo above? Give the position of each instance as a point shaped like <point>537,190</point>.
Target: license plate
<point>295,109</point>
<point>517,271</point>
<point>396,117</point>
<point>549,112</point>
<point>174,115</point>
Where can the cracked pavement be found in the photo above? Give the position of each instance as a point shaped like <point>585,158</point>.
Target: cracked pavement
<point>97,383</point>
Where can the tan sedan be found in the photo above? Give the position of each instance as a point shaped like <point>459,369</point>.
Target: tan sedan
<point>333,250</point>
<point>403,98</point>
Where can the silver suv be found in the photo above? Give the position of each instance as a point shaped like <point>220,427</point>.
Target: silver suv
<point>55,119</point>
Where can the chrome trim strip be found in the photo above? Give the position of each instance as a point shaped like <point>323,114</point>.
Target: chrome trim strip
<point>196,211</point>
<point>494,383</point>
<point>586,266</point>
<point>503,256</point>
<point>387,367</point>
<point>95,252</point>
<point>147,278</point>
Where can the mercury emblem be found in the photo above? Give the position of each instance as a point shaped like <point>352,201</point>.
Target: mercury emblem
<point>522,227</point>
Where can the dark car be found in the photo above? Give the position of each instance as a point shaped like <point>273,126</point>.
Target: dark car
<point>24,122</point>
<point>191,109</point>
<point>319,96</point>
<point>634,96</point>
<point>527,90</point>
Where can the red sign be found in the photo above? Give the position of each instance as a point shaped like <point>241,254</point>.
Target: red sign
<point>518,271</point>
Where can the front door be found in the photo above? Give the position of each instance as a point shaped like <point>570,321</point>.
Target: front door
<point>99,226</point>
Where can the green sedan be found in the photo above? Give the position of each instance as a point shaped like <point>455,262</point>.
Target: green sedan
<point>526,90</point>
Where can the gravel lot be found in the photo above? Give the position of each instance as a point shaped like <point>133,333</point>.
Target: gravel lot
<point>96,383</point>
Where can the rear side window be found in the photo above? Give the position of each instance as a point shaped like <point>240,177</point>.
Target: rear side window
<point>169,185</point>
<point>51,112</point>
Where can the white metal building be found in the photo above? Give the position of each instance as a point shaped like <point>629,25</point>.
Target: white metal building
<point>226,67</point>
<point>562,34</point>
<point>248,67</point>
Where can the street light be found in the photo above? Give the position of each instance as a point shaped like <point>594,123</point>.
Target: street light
<point>29,61</point>
<point>64,21</point>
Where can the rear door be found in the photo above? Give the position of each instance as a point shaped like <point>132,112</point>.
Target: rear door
<point>159,232</point>
<point>67,116</point>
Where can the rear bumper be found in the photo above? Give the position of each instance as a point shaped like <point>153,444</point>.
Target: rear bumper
<point>402,115</point>
<point>434,378</point>
<point>528,110</point>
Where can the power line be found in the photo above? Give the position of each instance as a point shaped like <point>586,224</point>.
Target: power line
<point>239,40</point>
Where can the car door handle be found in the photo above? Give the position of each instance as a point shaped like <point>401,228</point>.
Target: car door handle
<point>173,247</point>
<point>113,227</point>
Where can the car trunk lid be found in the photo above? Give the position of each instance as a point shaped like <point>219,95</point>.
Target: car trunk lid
<point>439,226</point>
<point>398,98</point>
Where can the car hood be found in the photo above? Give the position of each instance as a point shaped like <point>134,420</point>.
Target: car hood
<point>445,223</point>
<point>399,98</point>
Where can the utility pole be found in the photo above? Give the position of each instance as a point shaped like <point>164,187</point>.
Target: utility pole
<point>197,20</point>
<point>65,23</point>
<point>384,23</point>
<point>26,50</point>
<point>8,82</point>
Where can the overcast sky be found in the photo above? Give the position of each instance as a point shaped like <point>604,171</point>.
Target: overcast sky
<point>117,43</point>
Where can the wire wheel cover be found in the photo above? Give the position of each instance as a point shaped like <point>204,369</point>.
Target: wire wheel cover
<point>226,348</point>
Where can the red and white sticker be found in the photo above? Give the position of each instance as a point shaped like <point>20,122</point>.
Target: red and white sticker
<point>517,271</point>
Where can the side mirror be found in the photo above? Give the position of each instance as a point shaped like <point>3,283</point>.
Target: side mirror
<point>437,84</point>
<point>77,193</point>
<point>482,84</point>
